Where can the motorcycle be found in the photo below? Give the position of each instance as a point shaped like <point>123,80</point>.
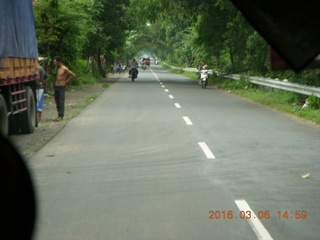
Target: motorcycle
<point>134,74</point>
<point>144,67</point>
<point>204,75</point>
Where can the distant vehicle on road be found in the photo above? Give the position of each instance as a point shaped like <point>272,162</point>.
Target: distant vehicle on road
<point>146,60</point>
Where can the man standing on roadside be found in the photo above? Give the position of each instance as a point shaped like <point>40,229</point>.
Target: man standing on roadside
<point>59,89</point>
<point>40,91</point>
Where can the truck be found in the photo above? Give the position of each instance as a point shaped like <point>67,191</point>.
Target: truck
<point>18,67</point>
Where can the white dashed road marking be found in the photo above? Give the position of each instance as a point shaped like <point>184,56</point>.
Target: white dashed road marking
<point>254,221</point>
<point>166,90</point>
<point>206,150</point>
<point>177,105</point>
<point>171,97</point>
<point>187,120</point>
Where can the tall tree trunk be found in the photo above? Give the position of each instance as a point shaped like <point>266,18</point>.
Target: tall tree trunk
<point>231,58</point>
<point>218,60</point>
<point>99,67</point>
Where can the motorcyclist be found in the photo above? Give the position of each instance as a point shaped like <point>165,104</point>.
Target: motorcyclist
<point>205,67</point>
<point>119,68</point>
<point>145,64</point>
<point>133,65</point>
<point>200,68</point>
<point>204,75</point>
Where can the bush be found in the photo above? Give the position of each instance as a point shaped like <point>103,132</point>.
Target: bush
<point>243,83</point>
<point>313,102</point>
<point>83,77</point>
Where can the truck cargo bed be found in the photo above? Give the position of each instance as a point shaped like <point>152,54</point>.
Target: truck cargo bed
<point>14,69</point>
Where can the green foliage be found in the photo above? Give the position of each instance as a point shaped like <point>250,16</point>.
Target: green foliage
<point>82,78</point>
<point>308,113</point>
<point>213,31</point>
<point>309,77</point>
<point>242,84</point>
<point>78,29</point>
<point>313,102</point>
<point>92,97</point>
<point>183,33</point>
<point>61,27</point>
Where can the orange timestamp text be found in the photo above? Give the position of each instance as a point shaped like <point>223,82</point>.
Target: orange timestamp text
<point>260,214</point>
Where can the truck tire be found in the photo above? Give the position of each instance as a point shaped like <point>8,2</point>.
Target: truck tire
<point>4,123</point>
<point>28,118</point>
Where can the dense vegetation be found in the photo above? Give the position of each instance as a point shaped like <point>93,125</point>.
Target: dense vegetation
<point>78,30</point>
<point>183,33</point>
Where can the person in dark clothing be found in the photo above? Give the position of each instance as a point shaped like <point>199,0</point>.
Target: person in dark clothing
<point>64,75</point>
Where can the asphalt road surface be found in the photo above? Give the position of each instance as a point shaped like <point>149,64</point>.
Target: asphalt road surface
<point>161,158</point>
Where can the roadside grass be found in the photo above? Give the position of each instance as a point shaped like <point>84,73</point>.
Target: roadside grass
<point>37,149</point>
<point>92,97</point>
<point>81,86</point>
<point>192,75</point>
<point>48,98</point>
<point>280,100</point>
<point>77,108</point>
<point>44,121</point>
<point>32,151</point>
<point>169,69</point>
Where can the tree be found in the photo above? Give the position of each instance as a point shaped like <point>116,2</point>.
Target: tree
<point>61,27</point>
<point>204,30</point>
<point>109,32</point>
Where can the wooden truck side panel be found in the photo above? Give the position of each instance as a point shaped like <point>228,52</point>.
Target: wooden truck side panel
<point>15,70</point>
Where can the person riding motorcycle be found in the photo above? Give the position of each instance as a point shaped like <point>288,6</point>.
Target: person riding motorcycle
<point>204,76</point>
<point>144,67</point>
<point>203,73</point>
<point>200,68</point>
<point>133,66</point>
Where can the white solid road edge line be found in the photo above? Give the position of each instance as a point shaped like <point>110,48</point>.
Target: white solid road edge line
<point>206,150</point>
<point>254,222</point>
<point>187,120</point>
<point>177,105</point>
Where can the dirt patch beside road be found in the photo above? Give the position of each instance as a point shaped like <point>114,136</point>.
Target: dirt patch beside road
<point>28,144</point>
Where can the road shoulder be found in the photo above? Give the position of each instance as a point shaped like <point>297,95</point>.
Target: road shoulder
<point>76,100</point>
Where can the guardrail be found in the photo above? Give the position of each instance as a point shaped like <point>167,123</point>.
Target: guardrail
<point>268,82</point>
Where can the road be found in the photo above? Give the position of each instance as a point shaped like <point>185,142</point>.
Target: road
<point>160,157</point>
